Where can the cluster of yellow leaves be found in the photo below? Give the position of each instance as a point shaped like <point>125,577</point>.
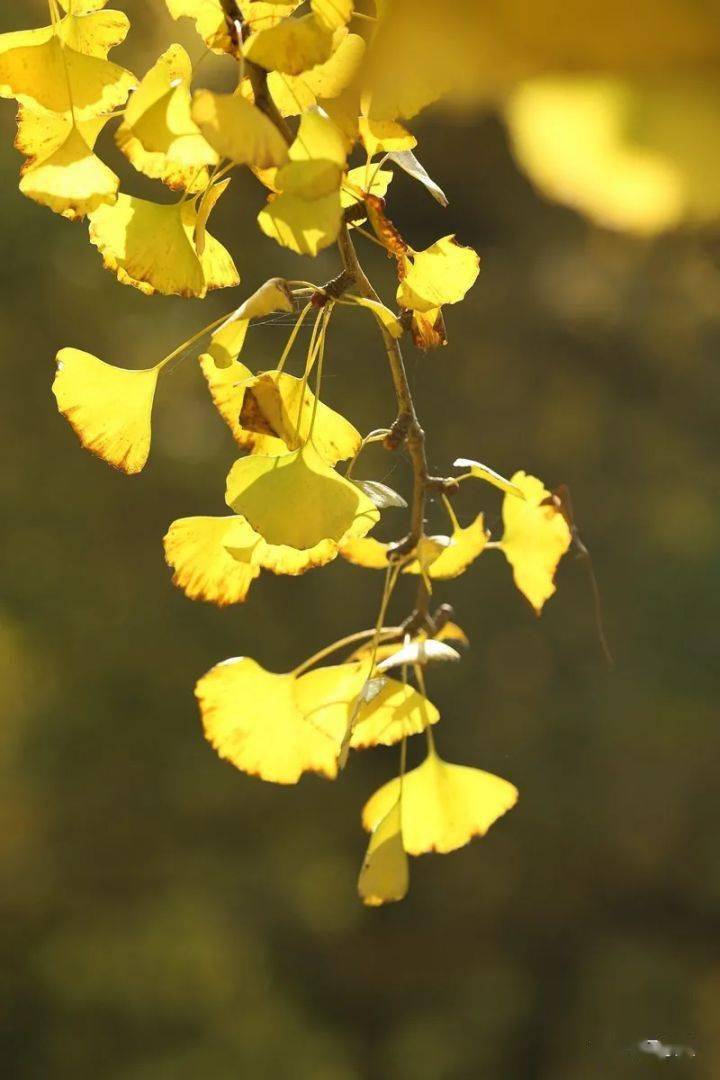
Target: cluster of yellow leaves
<point>292,508</point>
<point>66,89</point>
<point>278,727</point>
<point>535,537</point>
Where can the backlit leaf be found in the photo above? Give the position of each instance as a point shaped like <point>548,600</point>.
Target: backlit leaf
<point>484,472</point>
<point>158,135</point>
<point>384,876</point>
<point>298,500</point>
<point>441,274</point>
<point>291,47</point>
<point>109,408</point>
<point>295,93</point>
<point>443,806</point>
<point>152,246</point>
<point>535,538</point>
<point>197,550</point>
<point>71,180</point>
<point>238,130</point>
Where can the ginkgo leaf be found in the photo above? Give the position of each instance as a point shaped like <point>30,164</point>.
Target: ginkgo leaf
<point>226,378</point>
<point>71,180</point>
<point>484,472</point>
<point>252,718</point>
<point>298,500</point>
<point>307,214</point>
<point>364,180</point>
<point>450,631</point>
<point>384,315</point>
<point>385,874</point>
<point>318,140</point>
<point>429,550</point>
<point>407,161</point>
<point>384,136</point>
<point>467,544</point>
<point>304,226</point>
<point>158,135</point>
<point>238,130</point>
<point>333,13</point>
<point>280,558</point>
<point>293,94</point>
<point>442,274</point>
<point>443,806</point>
<point>152,247</point>
<point>276,404</point>
<point>197,550</point>
<point>227,341</point>
<point>422,651</point>
<point>109,408</point>
<point>209,19</point>
<point>331,698</point>
<point>292,46</point>
<point>273,295</point>
<point>82,7</point>
<point>366,551</point>
<point>535,538</point>
<point>40,68</point>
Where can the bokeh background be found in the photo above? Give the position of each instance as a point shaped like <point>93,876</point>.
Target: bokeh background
<point>164,915</point>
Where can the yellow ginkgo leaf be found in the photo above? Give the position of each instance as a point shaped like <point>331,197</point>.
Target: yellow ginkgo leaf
<point>298,500</point>
<point>292,46</point>
<point>307,213</point>
<point>304,226</point>
<point>443,806</point>
<point>293,94</point>
<point>331,698</point>
<point>535,538</point>
<point>227,341</point>
<point>275,404</point>
<point>152,247</point>
<point>385,874</point>
<point>197,550</point>
<point>452,632</point>
<point>384,136</point>
<point>157,134</point>
<point>238,130</point>
<point>333,13</point>
<point>366,551</point>
<point>465,546</point>
<point>273,295</point>
<point>441,274</point>
<point>484,472</point>
<point>82,7</point>
<point>318,140</point>
<point>41,133</point>
<point>109,408</point>
<point>226,378</point>
<point>362,181</point>
<point>334,437</point>
<point>280,558</point>
<point>71,179</point>
<point>93,33</point>
<point>40,68</point>
<point>252,718</point>
<point>384,316</point>
<point>209,19</point>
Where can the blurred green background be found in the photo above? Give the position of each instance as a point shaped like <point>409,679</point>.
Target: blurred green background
<point>164,915</point>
